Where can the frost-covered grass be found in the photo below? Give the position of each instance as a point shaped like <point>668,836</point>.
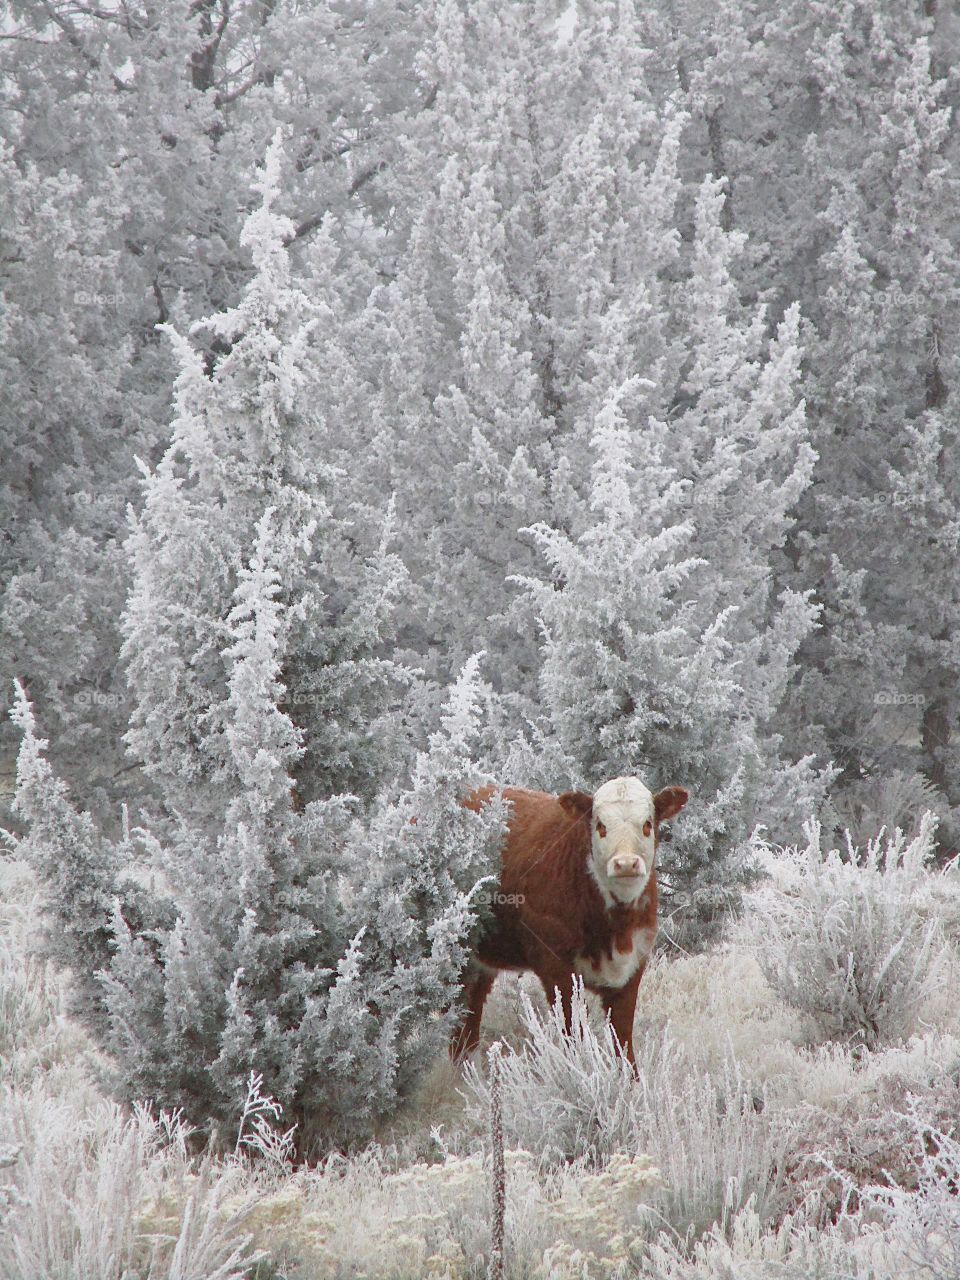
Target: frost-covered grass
<point>578,1099</point>
<point>752,1144</point>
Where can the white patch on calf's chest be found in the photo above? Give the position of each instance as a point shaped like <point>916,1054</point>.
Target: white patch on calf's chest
<point>617,969</point>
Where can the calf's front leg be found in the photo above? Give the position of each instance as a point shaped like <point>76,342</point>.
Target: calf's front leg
<point>554,981</point>
<point>620,1004</point>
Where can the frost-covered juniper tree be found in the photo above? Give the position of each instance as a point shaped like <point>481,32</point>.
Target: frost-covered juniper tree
<point>341,942</point>
<point>884,396</point>
<point>241,931</point>
<point>69,376</point>
<point>737,430</point>
<point>550,265</point>
<point>322,951</point>
<point>255,929</point>
<point>245,438</point>
<point>666,648</point>
<point>646,670</point>
<point>536,245</point>
<point>77,866</point>
<point>834,127</point>
<point>631,679</point>
<point>126,139</point>
<point>460,435</point>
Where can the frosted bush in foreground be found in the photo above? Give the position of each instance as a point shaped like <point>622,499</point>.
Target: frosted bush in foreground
<point>79,1191</point>
<point>367,1216</point>
<point>711,1135</point>
<point>926,1223</point>
<point>565,1098</point>
<point>847,940</point>
<point>793,1251</point>
<point>324,954</point>
<point>874,1232</point>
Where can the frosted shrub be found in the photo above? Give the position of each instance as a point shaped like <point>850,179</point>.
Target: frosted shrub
<point>837,1154</point>
<point>939,896</point>
<point>710,1134</point>
<point>80,1191</point>
<point>749,1250</point>
<point>895,799</point>
<point>363,1216</point>
<point>344,992</point>
<point>846,939</point>
<point>323,952</point>
<point>925,1224</point>
<point>566,1098</point>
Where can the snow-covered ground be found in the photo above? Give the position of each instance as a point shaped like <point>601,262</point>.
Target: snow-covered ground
<point>750,1147</point>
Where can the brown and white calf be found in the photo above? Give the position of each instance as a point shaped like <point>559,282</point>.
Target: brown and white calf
<point>577,898</point>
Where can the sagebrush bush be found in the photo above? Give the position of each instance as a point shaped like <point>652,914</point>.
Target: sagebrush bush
<point>847,940</point>
<point>882,1201</point>
<point>83,1192</point>
<point>567,1098</point>
<point>896,799</point>
<point>750,1250</point>
<point>925,1221</point>
<point>836,1156</point>
<point>710,1134</point>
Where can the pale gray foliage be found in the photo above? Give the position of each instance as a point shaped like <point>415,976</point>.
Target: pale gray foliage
<point>925,1223</point>
<point>322,954</point>
<point>834,128</point>
<point>81,1196</point>
<point>851,943</point>
<point>569,1097</point>
<point>127,136</point>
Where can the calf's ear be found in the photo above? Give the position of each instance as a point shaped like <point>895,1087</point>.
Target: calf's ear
<point>577,803</point>
<point>668,802</point>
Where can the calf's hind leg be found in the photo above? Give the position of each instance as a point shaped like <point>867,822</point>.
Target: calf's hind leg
<point>466,1036</point>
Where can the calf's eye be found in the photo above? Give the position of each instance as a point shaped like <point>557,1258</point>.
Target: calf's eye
<point>601,830</point>
<point>647,827</point>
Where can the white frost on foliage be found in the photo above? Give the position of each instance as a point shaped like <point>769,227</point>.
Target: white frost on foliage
<point>848,939</point>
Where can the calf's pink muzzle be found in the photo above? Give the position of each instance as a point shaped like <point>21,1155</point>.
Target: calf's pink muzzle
<point>626,865</point>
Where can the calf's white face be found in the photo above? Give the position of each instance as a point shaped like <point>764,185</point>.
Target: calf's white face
<point>624,838</point>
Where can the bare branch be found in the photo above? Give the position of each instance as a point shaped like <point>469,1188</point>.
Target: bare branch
<point>261,76</point>
<point>76,40</point>
<point>315,219</point>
